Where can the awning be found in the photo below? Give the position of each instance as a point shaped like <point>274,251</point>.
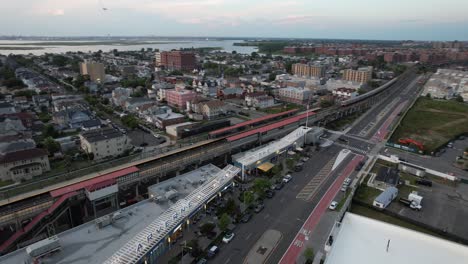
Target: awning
<point>266,166</point>
<point>299,149</point>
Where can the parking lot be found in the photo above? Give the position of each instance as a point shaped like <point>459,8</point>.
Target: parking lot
<point>444,207</point>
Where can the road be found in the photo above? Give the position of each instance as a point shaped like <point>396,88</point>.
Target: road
<point>294,250</point>
<point>283,212</point>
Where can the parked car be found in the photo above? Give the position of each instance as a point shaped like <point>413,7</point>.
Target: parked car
<point>202,261</point>
<point>344,188</point>
<point>304,159</point>
<point>228,237</point>
<point>333,205</point>
<point>298,166</point>
<point>259,207</point>
<point>269,193</point>
<point>212,251</point>
<point>278,186</point>
<point>424,182</point>
<point>287,178</point>
<point>246,218</point>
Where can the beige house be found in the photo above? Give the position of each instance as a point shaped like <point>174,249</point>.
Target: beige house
<point>212,109</point>
<point>104,142</point>
<point>23,164</point>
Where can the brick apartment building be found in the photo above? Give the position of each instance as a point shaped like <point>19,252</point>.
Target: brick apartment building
<point>361,75</point>
<point>306,70</point>
<point>176,60</point>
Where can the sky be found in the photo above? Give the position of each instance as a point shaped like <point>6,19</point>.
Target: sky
<point>343,19</point>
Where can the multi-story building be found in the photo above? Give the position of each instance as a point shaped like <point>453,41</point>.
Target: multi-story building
<point>104,142</point>
<point>294,95</point>
<point>259,100</point>
<point>23,164</point>
<point>179,97</point>
<point>361,75</point>
<point>95,71</point>
<point>307,70</point>
<point>176,60</point>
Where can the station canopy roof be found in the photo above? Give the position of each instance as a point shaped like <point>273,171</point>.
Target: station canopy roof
<point>266,166</point>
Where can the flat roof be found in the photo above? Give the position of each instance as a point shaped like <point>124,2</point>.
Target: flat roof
<point>270,127</point>
<point>251,122</point>
<point>364,240</point>
<point>251,157</point>
<point>86,244</point>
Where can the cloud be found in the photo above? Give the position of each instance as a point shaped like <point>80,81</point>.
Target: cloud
<point>56,12</point>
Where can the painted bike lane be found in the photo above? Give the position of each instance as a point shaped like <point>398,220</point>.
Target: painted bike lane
<point>295,248</point>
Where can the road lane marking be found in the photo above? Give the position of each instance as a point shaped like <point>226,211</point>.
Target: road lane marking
<point>248,236</point>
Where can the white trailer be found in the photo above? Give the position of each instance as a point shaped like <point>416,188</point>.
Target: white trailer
<point>44,247</point>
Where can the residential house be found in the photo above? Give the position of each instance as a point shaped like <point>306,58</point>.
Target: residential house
<point>138,104</point>
<point>41,101</point>
<point>259,100</point>
<point>104,142</point>
<point>23,164</point>
<point>120,96</point>
<point>11,126</point>
<point>21,102</point>
<point>71,118</point>
<point>213,109</point>
<point>7,108</point>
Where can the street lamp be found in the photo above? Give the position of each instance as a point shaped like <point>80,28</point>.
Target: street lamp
<point>183,247</point>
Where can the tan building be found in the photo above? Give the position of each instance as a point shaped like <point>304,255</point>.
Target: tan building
<point>361,75</point>
<point>94,70</point>
<point>306,70</point>
<point>23,164</point>
<point>104,142</point>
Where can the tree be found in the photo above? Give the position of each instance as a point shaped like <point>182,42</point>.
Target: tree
<point>234,52</point>
<point>224,222</point>
<point>309,254</point>
<point>130,121</point>
<point>248,198</point>
<point>176,73</point>
<point>254,55</point>
<point>195,250</point>
<point>459,98</point>
<point>51,145</point>
<point>428,95</point>
<point>206,228</point>
<point>49,131</point>
<point>272,76</point>
<point>260,185</point>
<point>326,103</point>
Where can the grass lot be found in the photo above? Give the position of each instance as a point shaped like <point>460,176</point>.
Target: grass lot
<point>343,122</point>
<point>433,122</point>
<point>374,214</point>
<point>366,194</point>
<point>408,177</point>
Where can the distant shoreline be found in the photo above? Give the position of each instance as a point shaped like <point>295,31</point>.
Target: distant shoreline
<point>92,43</point>
<point>20,48</point>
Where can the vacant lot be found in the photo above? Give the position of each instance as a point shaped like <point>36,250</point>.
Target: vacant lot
<point>433,122</point>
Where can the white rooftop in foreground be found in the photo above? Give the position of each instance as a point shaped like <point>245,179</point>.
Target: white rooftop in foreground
<point>251,157</point>
<point>363,240</point>
<point>86,244</point>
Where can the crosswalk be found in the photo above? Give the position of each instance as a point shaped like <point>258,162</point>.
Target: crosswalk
<point>354,149</point>
<point>311,188</point>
